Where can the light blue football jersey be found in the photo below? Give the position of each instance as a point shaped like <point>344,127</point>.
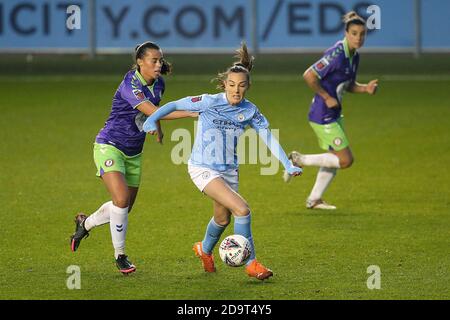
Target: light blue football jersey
<point>219,127</point>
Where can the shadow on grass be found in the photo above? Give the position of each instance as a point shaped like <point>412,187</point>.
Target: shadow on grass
<point>320,213</point>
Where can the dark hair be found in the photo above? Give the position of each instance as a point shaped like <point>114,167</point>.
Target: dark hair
<point>140,51</point>
<point>243,65</point>
<point>352,18</point>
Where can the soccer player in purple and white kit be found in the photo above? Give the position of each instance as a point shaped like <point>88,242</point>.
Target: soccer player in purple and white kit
<point>118,148</point>
<point>213,165</point>
<point>329,77</point>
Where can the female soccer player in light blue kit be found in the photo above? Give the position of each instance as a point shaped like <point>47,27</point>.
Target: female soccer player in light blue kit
<point>330,77</point>
<point>213,165</point>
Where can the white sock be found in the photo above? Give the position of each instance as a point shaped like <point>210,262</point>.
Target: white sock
<point>327,160</point>
<point>323,180</point>
<point>118,224</point>
<point>99,217</point>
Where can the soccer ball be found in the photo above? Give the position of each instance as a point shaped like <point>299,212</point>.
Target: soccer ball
<point>235,250</point>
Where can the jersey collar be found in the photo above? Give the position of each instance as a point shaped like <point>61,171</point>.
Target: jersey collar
<point>144,83</point>
<point>347,50</point>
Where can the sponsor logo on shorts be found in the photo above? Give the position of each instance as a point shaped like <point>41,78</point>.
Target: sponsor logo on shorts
<point>196,99</point>
<point>109,162</point>
<point>205,175</point>
<point>337,141</point>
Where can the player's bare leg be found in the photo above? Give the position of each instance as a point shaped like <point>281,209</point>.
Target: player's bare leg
<point>345,157</point>
<point>216,226</point>
<point>222,215</point>
<point>222,193</point>
<point>132,191</point>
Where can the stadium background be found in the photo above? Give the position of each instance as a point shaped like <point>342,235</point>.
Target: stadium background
<point>393,204</point>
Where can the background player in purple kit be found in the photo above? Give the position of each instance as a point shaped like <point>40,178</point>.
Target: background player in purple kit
<point>329,77</point>
<point>118,148</point>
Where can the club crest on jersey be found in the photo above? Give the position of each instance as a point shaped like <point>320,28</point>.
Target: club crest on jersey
<point>139,94</point>
<point>196,99</point>
<point>109,162</point>
<point>337,141</point>
<point>240,117</point>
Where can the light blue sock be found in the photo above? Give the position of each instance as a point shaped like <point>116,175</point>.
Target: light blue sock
<point>212,235</point>
<point>242,226</point>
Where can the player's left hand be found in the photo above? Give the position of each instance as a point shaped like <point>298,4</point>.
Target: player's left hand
<point>372,87</point>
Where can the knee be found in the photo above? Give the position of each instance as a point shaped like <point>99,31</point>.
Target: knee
<point>121,201</point>
<point>346,162</point>
<point>241,210</point>
<point>222,221</point>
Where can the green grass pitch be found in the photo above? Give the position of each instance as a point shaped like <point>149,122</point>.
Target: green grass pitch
<point>393,204</point>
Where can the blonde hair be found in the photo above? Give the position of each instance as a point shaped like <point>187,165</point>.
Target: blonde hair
<point>243,65</point>
<point>352,18</point>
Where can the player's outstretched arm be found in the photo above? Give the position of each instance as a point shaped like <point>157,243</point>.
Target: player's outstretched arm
<point>150,124</point>
<point>149,108</point>
<point>180,114</point>
<point>370,88</point>
<point>278,152</point>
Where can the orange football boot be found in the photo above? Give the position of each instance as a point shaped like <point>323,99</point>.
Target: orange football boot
<point>258,271</point>
<point>207,259</point>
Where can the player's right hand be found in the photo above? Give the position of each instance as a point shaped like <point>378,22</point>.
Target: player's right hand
<point>294,171</point>
<point>150,126</point>
<point>331,102</point>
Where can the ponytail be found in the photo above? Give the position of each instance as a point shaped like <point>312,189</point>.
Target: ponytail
<point>352,18</point>
<point>245,59</point>
<point>243,65</point>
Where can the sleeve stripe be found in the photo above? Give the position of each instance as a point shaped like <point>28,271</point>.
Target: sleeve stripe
<point>146,100</point>
<point>314,70</point>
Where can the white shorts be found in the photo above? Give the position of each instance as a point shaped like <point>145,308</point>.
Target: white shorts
<point>201,176</point>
